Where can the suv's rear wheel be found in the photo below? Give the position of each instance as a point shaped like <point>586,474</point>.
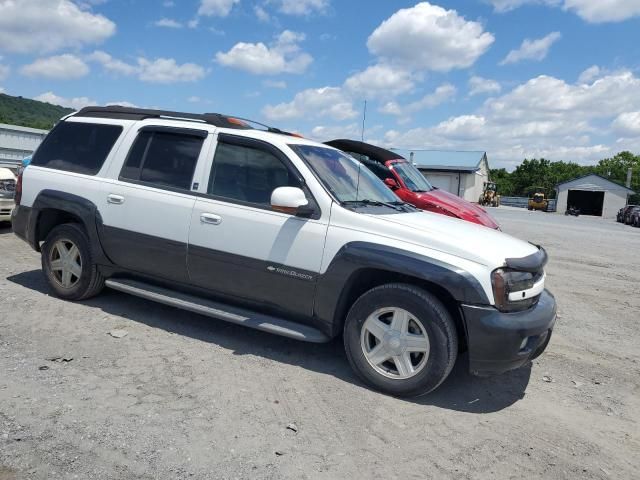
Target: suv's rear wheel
<point>400,339</point>
<point>67,263</point>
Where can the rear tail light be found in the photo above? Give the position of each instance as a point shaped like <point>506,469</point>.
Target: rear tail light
<point>18,195</point>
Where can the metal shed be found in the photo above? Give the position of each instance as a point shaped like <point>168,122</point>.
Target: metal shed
<point>593,195</point>
<point>17,143</point>
<point>462,173</point>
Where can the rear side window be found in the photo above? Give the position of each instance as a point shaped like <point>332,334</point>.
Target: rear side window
<point>164,159</point>
<point>77,147</point>
<point>248,174</point>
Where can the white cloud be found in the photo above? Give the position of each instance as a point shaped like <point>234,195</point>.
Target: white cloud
<point>502,6</point>
<point>532,49</point>
<point>275,84</point>
<point>428,37</point>
<point>590,74</point>
<point>480,86</point>
<point>159,70</point>
<point>167,70</point>
<point>441,94</point>
<point>168,3</point>
<point>4,70</point>
<point>330,102</point>
<point>324,133</point>
<point>111,64</point>
<point>301,7</point>
<point>46,25</point>
<point>261,14</point>
<point>59,67</point>
<point>168,23</point>
<point>627,124</point>
<point>544,116</point>
<point>216,8</point>
<point>284,55</point>
<point>76,103</point>
<point>600,11</point>
<point>593,11</point>
<point>2,90</point>
<point>380,80</point>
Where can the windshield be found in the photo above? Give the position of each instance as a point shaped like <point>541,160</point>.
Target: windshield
<point>411,176</point>
<point>346,178</point>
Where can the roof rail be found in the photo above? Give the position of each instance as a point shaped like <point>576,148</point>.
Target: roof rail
<point>128,113</point>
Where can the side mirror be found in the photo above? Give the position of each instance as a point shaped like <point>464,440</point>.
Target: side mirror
<point>391,183</point>
<point>291,200</point>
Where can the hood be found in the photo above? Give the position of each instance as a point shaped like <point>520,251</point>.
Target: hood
<point>454,236</point>
<point>6,174</point>
<point>459,207</point>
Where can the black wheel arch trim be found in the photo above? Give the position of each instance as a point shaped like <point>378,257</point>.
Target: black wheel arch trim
<point>75,205</point>
<point>334,285</point>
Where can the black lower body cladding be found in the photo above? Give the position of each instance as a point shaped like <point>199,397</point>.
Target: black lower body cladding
<point>23,225</point>
<point>499,342</point>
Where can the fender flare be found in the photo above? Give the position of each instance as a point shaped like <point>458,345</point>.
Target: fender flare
<point>333,286</point>
<point>76,205</point>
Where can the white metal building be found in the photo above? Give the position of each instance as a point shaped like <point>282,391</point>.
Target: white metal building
<point>17,143</point>
<point>593,195</point>
<point>461,173</point>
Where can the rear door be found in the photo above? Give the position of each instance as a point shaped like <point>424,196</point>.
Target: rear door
<point>147,208</point>
<point>239,246</point>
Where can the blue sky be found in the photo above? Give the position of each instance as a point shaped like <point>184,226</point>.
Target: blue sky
<point>517,78</point>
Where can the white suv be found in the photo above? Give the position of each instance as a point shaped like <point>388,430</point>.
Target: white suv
<point>281,234</point>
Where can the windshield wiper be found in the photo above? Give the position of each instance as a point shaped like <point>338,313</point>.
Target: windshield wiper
<point>396,205</point>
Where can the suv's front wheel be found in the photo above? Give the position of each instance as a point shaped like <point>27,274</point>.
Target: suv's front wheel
<point>68,265</point>
<point>400,339</point>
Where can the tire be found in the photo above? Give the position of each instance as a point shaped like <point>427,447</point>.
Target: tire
<point>85,281</point>
<point>428,323</point>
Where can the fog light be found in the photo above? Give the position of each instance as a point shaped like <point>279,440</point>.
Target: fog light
<point>524,343</point>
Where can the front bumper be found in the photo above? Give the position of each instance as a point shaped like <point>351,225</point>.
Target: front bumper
<point>499,342</point>
<point>6,206</point>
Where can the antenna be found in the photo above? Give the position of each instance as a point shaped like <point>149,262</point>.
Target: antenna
<point>364,119</point>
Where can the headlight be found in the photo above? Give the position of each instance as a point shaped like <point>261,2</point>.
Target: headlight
<point>515,291</point>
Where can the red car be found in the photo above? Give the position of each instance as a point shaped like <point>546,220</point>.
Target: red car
<point>410,185</point>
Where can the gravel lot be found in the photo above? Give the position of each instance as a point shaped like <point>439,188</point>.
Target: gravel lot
<point>184,396</point>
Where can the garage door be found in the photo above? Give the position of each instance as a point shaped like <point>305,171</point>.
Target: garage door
<point>444,182</point>
<point>589,203</point>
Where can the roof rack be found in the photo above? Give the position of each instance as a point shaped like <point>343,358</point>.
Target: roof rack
<point>215,119</point>
<point>128,113</point>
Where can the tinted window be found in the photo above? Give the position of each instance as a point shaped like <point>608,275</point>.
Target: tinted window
<point>248,174</point>
<point>163,158</point>
<point>77,147</point>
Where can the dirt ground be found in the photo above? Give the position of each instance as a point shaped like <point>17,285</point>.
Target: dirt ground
<point>184,396</point>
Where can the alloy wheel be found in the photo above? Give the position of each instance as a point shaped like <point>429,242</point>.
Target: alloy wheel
<point>395,343</point>
<point>65,262</point>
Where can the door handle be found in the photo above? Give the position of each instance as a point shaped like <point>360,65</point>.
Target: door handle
<point>115,199</point>
<point>210,218</point>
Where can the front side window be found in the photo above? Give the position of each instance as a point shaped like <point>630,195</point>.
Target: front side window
<point>77,147</point>
<point>248,174</point>
<point>165,159</point>
<point>412,178</point>
<point>345,177</point>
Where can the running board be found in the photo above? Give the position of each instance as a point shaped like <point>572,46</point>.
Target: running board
<point>219,311</point>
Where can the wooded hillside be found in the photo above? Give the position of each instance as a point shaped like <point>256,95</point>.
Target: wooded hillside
<point>30,113</point>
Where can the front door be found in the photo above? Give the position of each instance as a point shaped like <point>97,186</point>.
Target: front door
<point>239,246</point>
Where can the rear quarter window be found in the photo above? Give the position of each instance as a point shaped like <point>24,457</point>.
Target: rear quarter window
<point>77,147</point>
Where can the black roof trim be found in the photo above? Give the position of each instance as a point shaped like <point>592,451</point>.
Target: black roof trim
<point>374,153</point>
<point>127,113</point>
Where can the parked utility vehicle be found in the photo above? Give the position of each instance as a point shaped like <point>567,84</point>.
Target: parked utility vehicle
<point>281,234</point>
